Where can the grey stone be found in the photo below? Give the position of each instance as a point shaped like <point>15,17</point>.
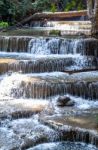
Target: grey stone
<point>65,101</point>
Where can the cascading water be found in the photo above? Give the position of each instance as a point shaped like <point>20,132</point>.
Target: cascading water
<point>14,43</point>
<point>35,72</point>
<point>38,64</point>
<point>53,46</point>
<point>46,85</point>
<point>43,45</point>
<point>64,27</point>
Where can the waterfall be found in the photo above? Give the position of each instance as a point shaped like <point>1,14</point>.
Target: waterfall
<point>49,45</point>
<point>34,73</point>
<point>14,43</point>
<point>48,84</point>
<point>46,63</point>
<point>53,46</point>
<point>64,46</point>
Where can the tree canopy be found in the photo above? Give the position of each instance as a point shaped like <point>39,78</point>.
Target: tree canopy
<point>13,10</point>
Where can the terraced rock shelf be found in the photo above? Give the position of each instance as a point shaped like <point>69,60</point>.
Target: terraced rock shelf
<point>37,73</point>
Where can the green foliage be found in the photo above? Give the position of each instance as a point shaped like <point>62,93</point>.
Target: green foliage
<point>15,10</point>
<point>53,8</point>
<point>7,7</point>
<point>80,6</point>
<point>74,5</point>
<point>4,24</point>
<point>12,9</point>
<point>68,7</point>
<point>41,5</point>
<point>24,6</point>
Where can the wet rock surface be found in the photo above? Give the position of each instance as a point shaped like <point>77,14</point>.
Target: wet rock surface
<point>65,101</point>
<point>29,114</point>
<point>32,130</point>
<point>21,108</point>
<point>26,64</point>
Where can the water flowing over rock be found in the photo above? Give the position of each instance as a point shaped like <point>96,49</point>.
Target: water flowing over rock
<point>54,46</point>
<point>36,72</point>
<point>49,45</point>
<point>49,84</point>
<point>26,64</point>
<point>64,46</point>
<point>14,44</point>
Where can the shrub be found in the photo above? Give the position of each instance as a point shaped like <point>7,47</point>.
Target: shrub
<point>3,24</point>
<point>53,8</point>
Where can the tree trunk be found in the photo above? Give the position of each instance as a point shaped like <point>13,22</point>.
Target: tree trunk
<point>94,19</point>
<point>90,8</point>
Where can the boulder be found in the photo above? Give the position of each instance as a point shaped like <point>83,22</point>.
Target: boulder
<point>65,101</point>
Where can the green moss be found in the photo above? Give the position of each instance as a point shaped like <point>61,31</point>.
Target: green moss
<point>55,32</point>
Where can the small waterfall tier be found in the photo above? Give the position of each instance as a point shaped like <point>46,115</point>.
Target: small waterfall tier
<point>49,84</point>
<point>64,46</point>
<point>49,45</point>
<point>14,43</point>
<point>27,63</point>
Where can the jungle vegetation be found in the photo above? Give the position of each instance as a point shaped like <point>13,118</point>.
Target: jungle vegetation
<point>13,11</point>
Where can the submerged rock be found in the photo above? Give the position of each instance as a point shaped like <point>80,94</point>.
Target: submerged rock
<point>65,101</point>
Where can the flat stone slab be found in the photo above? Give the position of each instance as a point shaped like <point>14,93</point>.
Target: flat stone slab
<point>87,119</point>
<point>21,108</point>
<point>75,127</point>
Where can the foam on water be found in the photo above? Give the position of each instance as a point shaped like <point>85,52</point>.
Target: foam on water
<point>34,56</point>
<point>64,146</point>
<point>22,85</point>
<point>84,104</point>
<point>80,103</point>
<point>8,83</point>
<point>47,46</point>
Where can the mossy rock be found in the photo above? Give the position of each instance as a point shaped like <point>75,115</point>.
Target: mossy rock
<point>55,32</point>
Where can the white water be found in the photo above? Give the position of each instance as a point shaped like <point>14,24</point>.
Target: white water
<point>12,87</point>
<point>84,104</point>
<point>63,25</point>
<point>81,104</point>
<point>64,146</point>
<point>47,46</point>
